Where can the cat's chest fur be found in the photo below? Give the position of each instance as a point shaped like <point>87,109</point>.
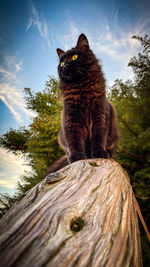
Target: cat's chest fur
<point>81,102</point>
<point>84,92</point>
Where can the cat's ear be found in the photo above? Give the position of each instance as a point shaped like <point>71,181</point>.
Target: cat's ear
<point>83,43</point>
<point>59,52</point>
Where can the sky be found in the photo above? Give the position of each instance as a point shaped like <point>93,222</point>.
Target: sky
<point>30,32</point>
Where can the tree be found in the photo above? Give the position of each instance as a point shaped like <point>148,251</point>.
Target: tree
<point>132,102</point>
<point>15,140</point>
<point>39,141</point>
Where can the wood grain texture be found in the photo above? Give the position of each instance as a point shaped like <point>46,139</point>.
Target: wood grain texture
<point>82,215</point>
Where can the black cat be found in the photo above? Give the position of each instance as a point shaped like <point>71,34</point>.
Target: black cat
<point>89,127</point>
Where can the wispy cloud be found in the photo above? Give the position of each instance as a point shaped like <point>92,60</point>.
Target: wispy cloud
<point>118,45</point>
<point>111,43</point>
<point>118,49</point>
<point>10,92</point>
<point>12,168</point>
<point>39,22</point>
<point>70,38</point>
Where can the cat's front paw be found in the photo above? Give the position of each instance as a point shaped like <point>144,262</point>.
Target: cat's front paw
<point>100,154</point>
<point>77,157</point>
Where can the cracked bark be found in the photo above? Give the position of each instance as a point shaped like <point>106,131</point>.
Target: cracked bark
<point>82,215</point>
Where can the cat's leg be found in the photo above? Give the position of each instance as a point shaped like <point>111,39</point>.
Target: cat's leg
<point>74,131</point>
<point>113,134</point>
<point>99,133</point>
<point>98,142</point>
<point>111,153</point>
<point>62,142</point>
<point>75,136</point>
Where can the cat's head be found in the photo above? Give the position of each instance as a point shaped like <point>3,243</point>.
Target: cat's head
<point>75,64</point>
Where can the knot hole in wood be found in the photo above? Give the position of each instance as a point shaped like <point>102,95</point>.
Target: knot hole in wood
<point>77,224</point>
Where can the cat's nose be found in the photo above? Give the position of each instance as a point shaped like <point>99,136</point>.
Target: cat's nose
<point>66,65</point>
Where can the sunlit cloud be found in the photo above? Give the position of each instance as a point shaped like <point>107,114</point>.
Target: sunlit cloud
<point>13,64</point>
<point>12,168</point>
<point>10,93</point>
<point>36,21</point>
<point>7,73</point>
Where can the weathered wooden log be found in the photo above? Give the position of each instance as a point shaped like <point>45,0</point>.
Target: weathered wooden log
<point>82,215</point>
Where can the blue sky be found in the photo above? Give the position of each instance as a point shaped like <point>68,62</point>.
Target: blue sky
<point>30,33</point>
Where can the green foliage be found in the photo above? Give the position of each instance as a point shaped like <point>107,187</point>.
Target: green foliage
<point>132,102</point>
<point>15,140</point>
<point>45,102</point>
<point>42,145</point>
<point>39,142</point>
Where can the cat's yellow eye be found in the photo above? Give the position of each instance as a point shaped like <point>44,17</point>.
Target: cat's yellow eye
<point>62,64</point>
<point>74,57</point>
